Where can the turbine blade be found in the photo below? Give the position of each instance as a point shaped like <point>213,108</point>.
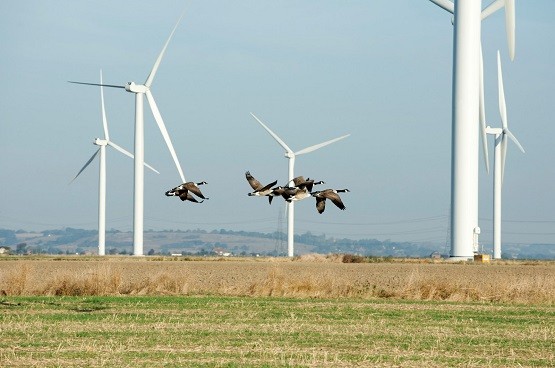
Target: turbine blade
<point>510,26</point>
<point>97,84</point>
<point>492,8</point>
<point>513,138</point>
<point>503,156</point>
<point>483,114</point>
<point>151,168</point>
<point>152,74</point>
<point>164,132</point>
<point>278,139</point>
<point>319,145</point>
<point>445,4</point>
<point>85,166</point>
<point>121,149</point>
<point>502,105</point>
<point>129,154</point>
<point>104,120</point>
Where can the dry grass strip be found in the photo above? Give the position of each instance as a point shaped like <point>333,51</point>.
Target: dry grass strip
<point>319,277</point>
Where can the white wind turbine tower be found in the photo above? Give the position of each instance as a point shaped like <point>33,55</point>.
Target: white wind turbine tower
<point>501,136</point>
<point>141,90</point>
<point>467,16</point>
<point>290,154</point>
<point>102,143</point>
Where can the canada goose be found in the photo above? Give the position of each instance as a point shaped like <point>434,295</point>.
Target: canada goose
<point>187,187</point>
<point>259,190</point>
<point>297,181</point>
<point>295,194</point>
<point>185,195</point>
<point>302,189</point>
<point>330,194</point>
<point>309,183</point>
<point>276,192</point>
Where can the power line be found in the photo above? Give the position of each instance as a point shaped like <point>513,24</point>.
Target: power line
<point>409,221</point>
<point>408,232</point>
<point>523,221</point>
<point>519,233</point>
<point>260,220</point>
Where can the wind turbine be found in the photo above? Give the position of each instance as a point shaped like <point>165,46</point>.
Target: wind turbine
<point>291,155</point>
<point>466,107</point>
<point>501,137</point>
<point>102,143</point>
<point>140,90</point>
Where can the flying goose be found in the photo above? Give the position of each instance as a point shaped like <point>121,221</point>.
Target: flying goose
<point>276,192</point>
<point>302,189</point>
<point>295,194</point>
<point>258,189</point>
<point>308,184</point>
<point>184,188</point>
<point>185,195</point>
<point>330,194</point>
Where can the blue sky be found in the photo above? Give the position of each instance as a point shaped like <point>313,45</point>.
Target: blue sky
<point>312,70</point>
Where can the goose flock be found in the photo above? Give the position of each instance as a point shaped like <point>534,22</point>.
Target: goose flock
<point>296,190</point>
<point>300,189</point>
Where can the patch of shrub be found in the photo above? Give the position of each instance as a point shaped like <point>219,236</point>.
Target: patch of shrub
<point>353,258</point>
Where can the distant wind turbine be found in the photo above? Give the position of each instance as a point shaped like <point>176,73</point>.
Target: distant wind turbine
<point>467,17</point>
<point>140,90</point>
<point>102,143</point>
<point>501,136</point>
<point>291,155</point>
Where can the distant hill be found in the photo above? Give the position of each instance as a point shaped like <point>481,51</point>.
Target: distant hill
<point>200,242</point>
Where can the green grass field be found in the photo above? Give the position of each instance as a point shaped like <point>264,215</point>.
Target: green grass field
<point>219,331</point>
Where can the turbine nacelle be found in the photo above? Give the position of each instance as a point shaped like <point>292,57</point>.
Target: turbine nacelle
<point>136,88</point>
<point>100,142</point>
<point>494,131</point>
<point>289,155</point>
